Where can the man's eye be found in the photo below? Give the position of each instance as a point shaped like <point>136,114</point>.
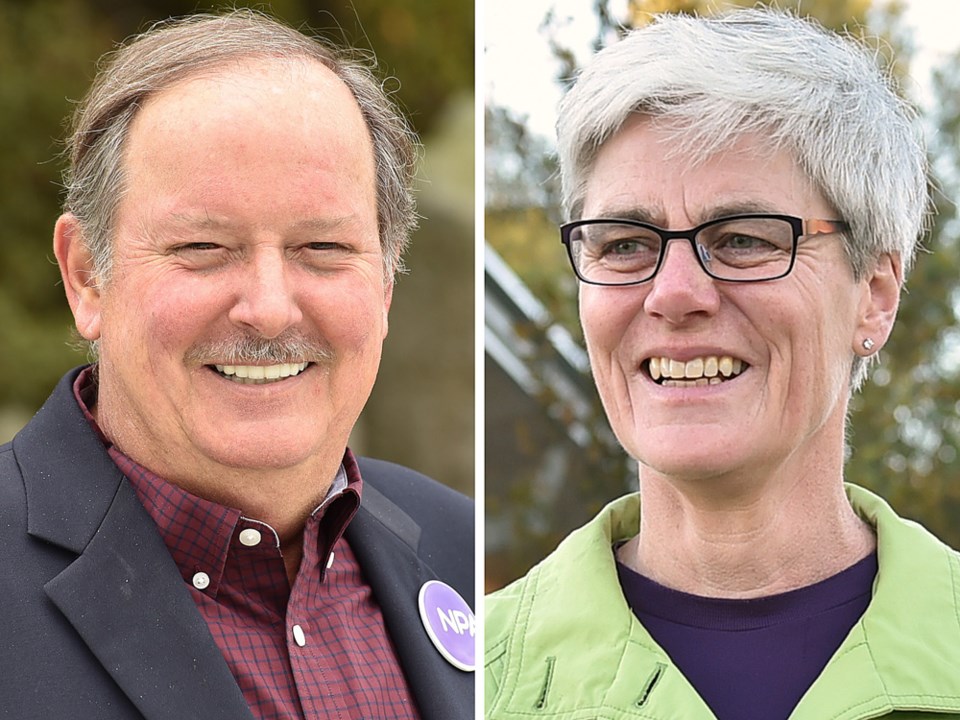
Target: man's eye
<point>196,246</point>
<point>324,246</point>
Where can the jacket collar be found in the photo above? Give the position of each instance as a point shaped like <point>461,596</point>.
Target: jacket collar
<point>574,646</point>
<point>123,594</point>
<point>901,655</point>
<point>905,651</point>
<point>70,479</point>
<point>386,542</point>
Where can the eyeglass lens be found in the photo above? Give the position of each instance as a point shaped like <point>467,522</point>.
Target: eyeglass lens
<point>617,253</point>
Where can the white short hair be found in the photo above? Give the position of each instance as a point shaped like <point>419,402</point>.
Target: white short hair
<point>818,95</point>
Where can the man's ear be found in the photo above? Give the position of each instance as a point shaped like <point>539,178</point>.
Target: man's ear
<point>879,302</point>
<point>387,299</point>
<point>79,276</point>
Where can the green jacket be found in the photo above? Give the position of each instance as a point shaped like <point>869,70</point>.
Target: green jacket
<point>563,643</point>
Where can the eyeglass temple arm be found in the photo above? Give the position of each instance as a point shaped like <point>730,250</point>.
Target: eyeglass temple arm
<point>824,227</point>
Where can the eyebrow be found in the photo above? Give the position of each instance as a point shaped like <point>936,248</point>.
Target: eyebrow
<point>211,222</point>
<point>654,216</point>
<point>638,214</point>
<point>322,225</point>
<point>196,221</point>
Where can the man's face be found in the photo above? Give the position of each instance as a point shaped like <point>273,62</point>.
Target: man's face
<point>793,337</point>
<point>249,216</point>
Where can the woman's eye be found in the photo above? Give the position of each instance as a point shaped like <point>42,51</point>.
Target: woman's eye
<point>624,247</point>
<point>743,241</point>
<point>628,247</point>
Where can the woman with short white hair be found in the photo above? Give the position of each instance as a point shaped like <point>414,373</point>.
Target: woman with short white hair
<point>746,194</point>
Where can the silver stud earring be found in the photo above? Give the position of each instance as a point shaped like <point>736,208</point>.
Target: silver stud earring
<point>868,344</point>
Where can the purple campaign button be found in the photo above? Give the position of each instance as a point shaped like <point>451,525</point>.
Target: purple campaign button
<point>450,624</point>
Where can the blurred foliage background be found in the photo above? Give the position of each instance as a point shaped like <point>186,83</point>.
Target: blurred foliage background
<point>422,410</point>
<point>545,475</point>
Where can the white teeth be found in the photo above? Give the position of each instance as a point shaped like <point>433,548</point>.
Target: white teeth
<point>260,374</point>
<point>709,370</point>
<point>694,368</point>
<point>655,368</point>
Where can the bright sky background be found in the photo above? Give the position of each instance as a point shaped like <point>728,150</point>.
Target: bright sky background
<point>519,70</point>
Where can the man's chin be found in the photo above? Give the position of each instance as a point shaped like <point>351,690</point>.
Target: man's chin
<point>259,452</point>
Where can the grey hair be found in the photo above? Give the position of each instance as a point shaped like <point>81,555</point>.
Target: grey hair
<point>175,49</point>
<point>818,95</point>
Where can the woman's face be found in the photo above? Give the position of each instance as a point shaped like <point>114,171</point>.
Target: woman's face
<point>793,338</point>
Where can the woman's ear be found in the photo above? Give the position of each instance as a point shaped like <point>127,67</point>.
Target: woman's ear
<point>79,276</point>
<point>879,304</point>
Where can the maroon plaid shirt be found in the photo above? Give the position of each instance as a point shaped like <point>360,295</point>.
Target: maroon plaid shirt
<point>320,650</point>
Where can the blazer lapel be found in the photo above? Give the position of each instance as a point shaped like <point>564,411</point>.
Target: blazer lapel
<point>123,594</point>
<point>126,599</point>
<point>384,538</point>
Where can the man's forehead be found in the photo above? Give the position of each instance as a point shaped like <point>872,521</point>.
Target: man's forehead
<point>260,80</point>
<point>284,106</point>
<point>247,144</point>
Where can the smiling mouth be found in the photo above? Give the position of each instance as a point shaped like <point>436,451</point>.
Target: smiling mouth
<point>259,374</point>
<point>699,372</point>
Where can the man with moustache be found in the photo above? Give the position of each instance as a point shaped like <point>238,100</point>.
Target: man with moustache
<point>186,532</point>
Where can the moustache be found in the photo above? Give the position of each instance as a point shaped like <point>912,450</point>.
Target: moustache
<point>255,350</point>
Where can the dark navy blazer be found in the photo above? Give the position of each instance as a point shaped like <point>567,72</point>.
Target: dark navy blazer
<point>97,623</point>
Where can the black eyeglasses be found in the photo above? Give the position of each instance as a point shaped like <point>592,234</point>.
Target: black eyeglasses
<point>739,248</point>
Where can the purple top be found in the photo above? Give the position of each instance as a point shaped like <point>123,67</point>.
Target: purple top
<point>752,658</point>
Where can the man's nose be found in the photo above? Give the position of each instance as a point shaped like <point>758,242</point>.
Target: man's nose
<point>681,287</point>
<point>267,301</point>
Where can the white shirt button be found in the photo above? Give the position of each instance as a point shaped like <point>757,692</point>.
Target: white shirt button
<point>201,581</point>
<point>298,636</point>
<point>250,537</point>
